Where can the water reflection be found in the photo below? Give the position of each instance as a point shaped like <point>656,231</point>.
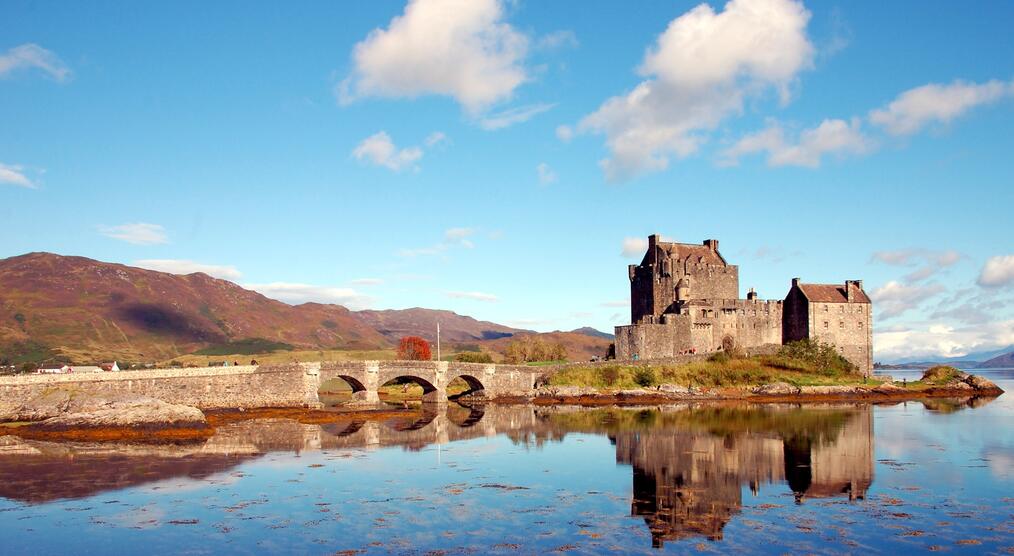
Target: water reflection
<point>690,466</point>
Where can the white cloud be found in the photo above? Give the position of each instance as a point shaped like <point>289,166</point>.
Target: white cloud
<point>182,266</point>
<point>617,303</point>
<point>830,137</point>
<point>511,116</point>
<point>15,175</point>
<point>564,133</point>
<point>546,174</point>
<point>33,56</point>
<point>138,233</point>
<point>453,237</point>
<point>458,48</point>
<point>634,247</point>
<point>476,296</point>
<point>366,282</point>
<point>558,39</point>
<point>997,272</point>
<point>936,103</point>
<point>295,293</point>
<point>379,150</point>
<point>458,233</point>
<point>436,138</point>
<point>932,261</point>
<point>698,73</point>
<point>894,298</point>
<point>936,340</point>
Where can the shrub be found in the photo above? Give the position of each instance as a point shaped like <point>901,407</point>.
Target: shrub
<point>473,357</point>
<point>941,374</point>
<point>414,348</point>
<point>528,349</point>
<point>822,358</point>
<point>645,376</point>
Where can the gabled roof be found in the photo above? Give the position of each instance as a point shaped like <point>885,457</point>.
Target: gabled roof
<point>830,293</point>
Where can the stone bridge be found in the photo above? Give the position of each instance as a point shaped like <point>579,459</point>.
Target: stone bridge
<point>365,377</point>
<point>287,385</point>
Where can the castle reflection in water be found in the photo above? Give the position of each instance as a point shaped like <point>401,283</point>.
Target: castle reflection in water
<point>691,465</point>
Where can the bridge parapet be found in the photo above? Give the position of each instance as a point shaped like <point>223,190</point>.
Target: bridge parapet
<point>282,385</point>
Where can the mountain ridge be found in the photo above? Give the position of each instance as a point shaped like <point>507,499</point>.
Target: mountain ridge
<point>59,307</point>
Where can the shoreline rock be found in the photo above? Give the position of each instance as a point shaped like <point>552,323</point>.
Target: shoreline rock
<point>70,410</point>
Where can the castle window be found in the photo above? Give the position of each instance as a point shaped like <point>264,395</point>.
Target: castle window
<point>826,308</point>
<point>825,325</point>
<point>860,323</point>
<point>841,325</point>
<point>842,308</point>
<point>860,308</point>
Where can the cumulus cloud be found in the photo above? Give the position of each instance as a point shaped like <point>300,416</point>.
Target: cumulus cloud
<point>564,133</point>
<point>697,74</point>
<point>509,117</point>
<point>830,137</point>
<point>917,108</point>
<point>138,233</point>
<point>476,296</point>
<point>458,48</point>
<point>296,293</point>
<point>634,247</point>
<point>997,272</point>
<point>379,150</point>
<point>15,175</point>
<point>183,266</point>
<point>894,298</point>
<point>546,174</point>
<point>937,340</point>
<point>33,56</point>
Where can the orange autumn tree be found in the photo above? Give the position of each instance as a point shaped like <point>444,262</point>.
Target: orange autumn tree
<point>414,348</point>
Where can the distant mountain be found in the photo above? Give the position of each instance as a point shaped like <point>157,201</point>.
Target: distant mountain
<point>970,359</point>
<point>1005,361</point>
<point>55,307</point>
<point>454,328</point>
<point>594,333</point>
<point>86,310</point>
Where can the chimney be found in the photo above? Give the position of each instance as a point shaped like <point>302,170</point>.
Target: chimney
<point>795,282</point>
<point>852,289</point>
<point>653,240</point>
<point>711,244</point>
<point>751,295</point>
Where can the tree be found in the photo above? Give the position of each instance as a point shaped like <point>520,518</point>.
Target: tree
<point>414,348</point>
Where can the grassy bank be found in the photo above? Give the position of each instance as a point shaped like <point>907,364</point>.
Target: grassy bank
<point>714,373</point>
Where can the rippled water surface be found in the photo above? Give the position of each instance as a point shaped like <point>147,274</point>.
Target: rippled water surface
<point>761,479</point>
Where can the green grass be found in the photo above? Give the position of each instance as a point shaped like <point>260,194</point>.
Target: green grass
<point>720,372</point>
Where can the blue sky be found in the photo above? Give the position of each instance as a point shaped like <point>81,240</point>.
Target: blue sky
<point>499,158</point>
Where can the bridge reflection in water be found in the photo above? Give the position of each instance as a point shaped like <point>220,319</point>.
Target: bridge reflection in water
<point>690,465</point>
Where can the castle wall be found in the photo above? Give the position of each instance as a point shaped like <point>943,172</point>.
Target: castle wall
<point>847,326</point>
<point>703,328</point>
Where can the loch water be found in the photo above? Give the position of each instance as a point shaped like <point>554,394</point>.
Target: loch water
<point>723,478</point>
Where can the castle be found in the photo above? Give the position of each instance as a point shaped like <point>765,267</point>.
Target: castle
<point>684,298</point>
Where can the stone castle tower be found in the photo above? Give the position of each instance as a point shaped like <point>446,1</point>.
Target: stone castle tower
<point>684,298</point>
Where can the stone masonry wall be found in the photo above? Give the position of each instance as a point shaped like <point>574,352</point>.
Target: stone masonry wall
<point>206,388</point>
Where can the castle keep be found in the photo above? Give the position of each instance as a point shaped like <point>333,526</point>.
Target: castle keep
<point>684,298</point>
